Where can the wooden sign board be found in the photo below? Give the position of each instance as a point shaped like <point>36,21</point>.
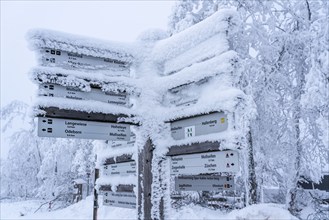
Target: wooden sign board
<point>184,95</point>
<point>52,57</point>
<point>119,199</point>
<point>129,143</point>
<point>69,128</point>
<point>120,169</point>
<point>54,90</point>
<point>199,125</point>
<point>204,183</point>
<point>203,163</point>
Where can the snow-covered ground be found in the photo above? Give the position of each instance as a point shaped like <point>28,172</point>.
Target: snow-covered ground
<point>83,210</point>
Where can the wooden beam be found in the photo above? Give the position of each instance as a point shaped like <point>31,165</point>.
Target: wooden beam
<point>193,148</point>
<point>95,209</point>
<point>145,181</point>
<point>119,159</point>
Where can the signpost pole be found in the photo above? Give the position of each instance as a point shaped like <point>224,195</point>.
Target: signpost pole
<point>145,181</point>
<point>95,196</point>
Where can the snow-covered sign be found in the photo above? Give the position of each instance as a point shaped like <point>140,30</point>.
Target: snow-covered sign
<point>214,162</point>
<point>67,59</point>
<point>54,90</point>
<point>69,128</point>
<point>56,49</point>
<point>184,95</point>
<point>120,169</point>
<point>199,125</point>
<point>129,143</point>
<point>204,183</point>
<point>119,199</point>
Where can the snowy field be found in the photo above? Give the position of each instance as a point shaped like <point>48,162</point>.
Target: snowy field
<point>83,210</point>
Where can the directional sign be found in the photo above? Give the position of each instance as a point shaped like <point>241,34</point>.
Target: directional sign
<point>120,199</point>
<point>199,125</point>
<point>182,102</point>
<point>52,57</point>
<point>214,162</point>
<point>68,128</point>
<point>54,90</point>
<point>129,143</point>
<point>120,169</point>
<point>204,183</point>
<point>184,95</point>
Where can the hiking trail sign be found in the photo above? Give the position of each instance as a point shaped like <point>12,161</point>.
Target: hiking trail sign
<point>69,128</point>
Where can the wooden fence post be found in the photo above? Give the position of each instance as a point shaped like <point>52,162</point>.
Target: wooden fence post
<point>95,196</point>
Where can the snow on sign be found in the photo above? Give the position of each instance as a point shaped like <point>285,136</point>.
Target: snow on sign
<point>184,95</point>
<point>54,90</point>
<point>68,128</point>
<point>199,125</point>
<point>129,143</point>
<point>121,169</point>
<point>120,199</point>
<point>214,162</point>
<point>74,60</point>
<point>204,183</point>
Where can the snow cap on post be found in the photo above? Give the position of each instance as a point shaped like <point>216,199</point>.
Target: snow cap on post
<point>220,22</point>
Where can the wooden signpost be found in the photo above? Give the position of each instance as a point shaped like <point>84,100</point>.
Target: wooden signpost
<point>204,183</point>
<point>123,197</point>
<point>214,162</point>
<point>198,125</point>
<point>96,94</point>
<point>70,128</point>
<point>120,169</point>
<point>194,166</point>
<point>72,60</point>
<point>120,199</point>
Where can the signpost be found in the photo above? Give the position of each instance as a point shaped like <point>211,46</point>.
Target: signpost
<point>120,169</point>
<point>60,58</point>
<point>199,125</point>
<point>214,162</point>
<point>69,128</point>
<point>184,95</point>
<point>120,199</point>
<point>204,183</point>
<point>198,167</point>
<point>54,90</point>
<point>129,143</point>
<point>124,197</point>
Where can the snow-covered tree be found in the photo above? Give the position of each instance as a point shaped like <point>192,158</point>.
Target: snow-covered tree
<point>284,51</point>
<point>39,167</point>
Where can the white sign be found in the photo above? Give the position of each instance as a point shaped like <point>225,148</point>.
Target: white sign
<point>51,57</point>
<point>120,169</point>
<point>54,90</point>
<point>68,128</point>
<point>129,143</point>
<point>214,162</point>
<point>120,199</point>
<point>204,183</point>
<point>199,125</point>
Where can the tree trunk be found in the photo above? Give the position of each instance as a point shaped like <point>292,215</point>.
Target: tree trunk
<point>297,119</point>
<point>252,181</point>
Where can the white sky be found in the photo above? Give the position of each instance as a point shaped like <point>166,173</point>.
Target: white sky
<point>110,20</point>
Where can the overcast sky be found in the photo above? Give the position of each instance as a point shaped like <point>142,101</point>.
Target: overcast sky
<point>110,20</point>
